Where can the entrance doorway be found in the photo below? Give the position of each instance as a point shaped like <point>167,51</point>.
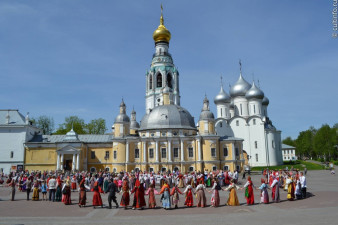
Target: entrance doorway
<point>68,164</point>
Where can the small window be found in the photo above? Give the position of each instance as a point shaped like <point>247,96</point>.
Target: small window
<point>241,109</point>
<point>114,170</point>
<point>191,152</point>
<point>151,153</point>
<point>92,170</point>
<point>169,81</point>
<point>254,108</point>
<point>176,169</point>
<point>237,151</point>
<point>221,112</point>
<point>107,155</point>
<point>256,157</point>
<point>12,154</point>
<point>254,121</point>
<point>220,124</point>
<point>175,152</point>
<point>225,168</point>
<point>191,169</point>
<point>164,153</point>
<point>237,123</point>
<point>150,82</point>
<point>107,169</point>
<point>159,80</point>
<point>92,155</point>
<point>225,152</point>
<point>137,153</point>
<point>256,144</point>
<point>115,154</point>
<point>164,169</point>
<point>213,152</point>
<point>151,169</point>
<point>214,168</point>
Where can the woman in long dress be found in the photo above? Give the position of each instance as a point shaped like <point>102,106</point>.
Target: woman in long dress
<point>291,188</point>
<point>264,192</point>
<point>58,193</point>
<point>67,193</point>
<point>152,192</point>
<point>35,196</point>
<point>166,204</point>
<point>275,190</point>
<point>125,194</point>
<point>139,201</point>
<point>189,201</point>
<point>82,194</point>
<point>215,200</point>
<point>249,195</point>
<point>73,183</point>
<point>97,200</point>
<point>201,199</point>
<point>233,199</point>
<point>180,181</point>
<point>175,196</point>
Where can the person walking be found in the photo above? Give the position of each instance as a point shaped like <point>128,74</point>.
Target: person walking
<point>112,189</point>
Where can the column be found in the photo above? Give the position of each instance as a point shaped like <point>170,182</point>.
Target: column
<point>61,166</point>
<point>233,152</point>
<point>156,152</point>
<point>57,161</point>
<point>73,162</point>
<point>77,161</point>
<point>199,150</point>
<point>169,151</point>
<point>144,152</point>
<point>182,150</point>
<point>127,152</point>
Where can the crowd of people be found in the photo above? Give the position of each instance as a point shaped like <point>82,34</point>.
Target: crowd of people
<point>60,187</point>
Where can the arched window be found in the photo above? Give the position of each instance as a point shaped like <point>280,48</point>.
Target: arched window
<point>256,144</point>
<point>159,80</point>
<point>150,82</point>
<point>169,80</point>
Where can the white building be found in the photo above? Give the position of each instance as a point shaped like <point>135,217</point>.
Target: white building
<point>289,152</point>
<point>15,130</point>
<point>243,114</point>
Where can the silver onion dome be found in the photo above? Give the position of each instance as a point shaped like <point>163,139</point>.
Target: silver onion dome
<point>207,115</point>
<point>240,87</point>
<point>122,118</point>
<point>254,92</point>
<point>222,97</point>
<point>168,116</point>
<point>265,101</point>
<point>134,125</point>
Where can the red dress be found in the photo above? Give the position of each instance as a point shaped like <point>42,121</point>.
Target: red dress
<point>250,199</point>
<point>125,196</point>
<point>66,196</point>
<point>97,200</point>
<point>139,200</point>
<point>189,201</point>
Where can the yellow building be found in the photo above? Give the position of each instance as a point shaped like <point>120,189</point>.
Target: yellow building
<point>166,139</point>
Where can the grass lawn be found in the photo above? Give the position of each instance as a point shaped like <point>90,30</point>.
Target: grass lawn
<point>296,165</point>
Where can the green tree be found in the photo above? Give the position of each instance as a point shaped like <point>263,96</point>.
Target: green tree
<point>324,142</point>
<point>304,143</point>
<point>96,126</point>
<point>289,141</point>
<point>45,123</point>
<point>74,122</point>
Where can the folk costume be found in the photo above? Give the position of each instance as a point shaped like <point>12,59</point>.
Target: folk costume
<point>201,199</point>
<point>73,183</point>
<point>125,194</point>
<point>139,201</point>
<point>189,201</point>
<point>275,190</point>
<point>112,189</point>
<point>291,189</point>
<point>58,193</point>
<point>152,201</point>
<point>249,195</point>
<point>35,196</point>
<point>215,200</point>
<point>166,204</point>
<point>97,200</point>
<point>233,199</point>
<point>264,192</point>
<point>67,193</point>
<point>175,196</point>
<point>82,194</point>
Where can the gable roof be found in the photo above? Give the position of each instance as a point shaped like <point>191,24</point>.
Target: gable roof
<point>15,117</point>
<point>284,146</point>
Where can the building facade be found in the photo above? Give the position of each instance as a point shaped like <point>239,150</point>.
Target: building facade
<point>15,130</point>
<point>166,139</point>
<point>289,153</point>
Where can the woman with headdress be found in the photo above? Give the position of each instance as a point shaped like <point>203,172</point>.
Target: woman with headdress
<point>249,195</point>
<point>275,189</point>
<point>264,192</point>
<point>67,192</point>
<point>125,194</point>
<point>291,188</point>
<point>97,200</point>
<point>215,200</point>
<point>200,195</point>
<point>189,201</point>
<point>233,199</point>
<point>180,181</point>
<point>139,201</point>
<point>73,183</point>
<point>166,195</point>
<point>82,194</point>
<point>35,196</point>
<point>175,196</point>
<point>152,192</point>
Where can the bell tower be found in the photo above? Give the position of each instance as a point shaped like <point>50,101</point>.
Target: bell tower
<point>162,71</point>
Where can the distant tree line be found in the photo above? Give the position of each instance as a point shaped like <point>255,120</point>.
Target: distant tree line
<point>316,144</point>
<point>95,126</point>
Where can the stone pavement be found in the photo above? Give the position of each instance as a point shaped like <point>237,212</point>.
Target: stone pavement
<point>320,208</point>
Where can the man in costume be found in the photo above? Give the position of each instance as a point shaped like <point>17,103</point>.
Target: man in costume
<point>112,189</point>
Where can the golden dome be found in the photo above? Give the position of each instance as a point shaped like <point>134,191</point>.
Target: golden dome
<point>161,33</point>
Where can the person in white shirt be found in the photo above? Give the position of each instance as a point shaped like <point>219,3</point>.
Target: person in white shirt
<point>302,180</point>
<point>52,188</point>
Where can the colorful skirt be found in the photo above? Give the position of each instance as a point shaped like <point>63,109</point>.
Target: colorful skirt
<point>97,200</point>
<point>215,201</point>
<point>35,196</point>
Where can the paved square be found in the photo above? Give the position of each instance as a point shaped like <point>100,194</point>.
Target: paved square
<point>320,208</point>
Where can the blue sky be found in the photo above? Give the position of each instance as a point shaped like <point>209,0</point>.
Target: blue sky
<point>62,58</point>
